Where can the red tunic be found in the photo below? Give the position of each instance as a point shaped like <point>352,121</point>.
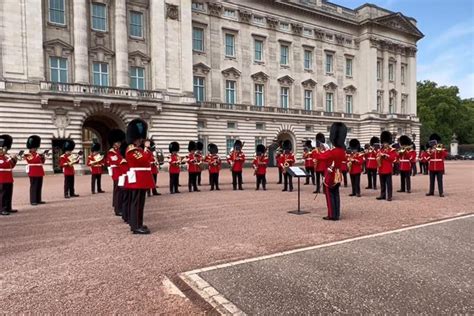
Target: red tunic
<point>94,164</point>
<point>357,160</point>
<point>214,163</point>
<point>6,168</point>
<point>152,159</point>
<point>319,163</point>
<point>344,164</point>
<point>423,156</point>
<point>405,160</point>
<point>389,156</point>
<point>139,174</point>
<point>436,160</point>
<point>260,164</point>
<point>175,163</point>
<point>332,158</point>
<point>35,164</point>
<point>237,160</point>
<point>193,163</point>
<point>66,164</point>
<point>308,160</point>
<point>278,160</point>
<point>113,160</point>
<point>288,159</point>
<point>371,160</point>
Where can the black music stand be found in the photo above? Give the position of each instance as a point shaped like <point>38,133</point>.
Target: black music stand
<point>299,173</point>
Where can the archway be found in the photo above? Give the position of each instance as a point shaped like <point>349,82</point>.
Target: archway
<point>96,129</point>
<point>281,137</point>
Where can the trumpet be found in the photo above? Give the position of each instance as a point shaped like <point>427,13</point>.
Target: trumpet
<point>75,158</point>
<point>19,156</point>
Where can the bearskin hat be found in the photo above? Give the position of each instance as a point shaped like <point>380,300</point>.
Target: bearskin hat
<point>320,138</point>
<point>69,145</point>
<point>308,143</point>
<point>213,149</point>
<point>95,147</point>
<point>404,140</point>
<point>366,146</point>
<point>386,137</point>
<point>338,134</point>
<point>34,141</point>
<point>136,129</point>
<point>116,136</point>
<point>123,149</point>
<point>174,147</point>
<point>261,149</point>
<point>199,146</point>
<point>287,144</point>
<point>354,144</point>
<point>422,147</point>
<point>238,144</point>
<point>435,137</point>
<point>192,145</point>
<point>7,141</point>
<point>374,140</point>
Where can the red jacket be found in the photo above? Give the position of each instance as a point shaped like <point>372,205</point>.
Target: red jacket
<point>423,156</point>
<point>139,168</point>
<point>333,159</point>
<point>287,158</point>
<point>278,160</point>
<point>308,160</point>
<point>67,165</point>
<point>152,159</point>
<point>389,155</point>
<point>6,168</point>
<point>113,161</point>
<point>35,164</point>
<point>344,164</point>
<point>193,163</point>
<point>175,164</point>
<point>260,164</point>
<point>95,165</point>
<point>214,163</point>
<point>199,158</point>
<point>319,163</point>
<point>436,160</point>
<point>357,160</point>
<point>371,159</point>
<point>237,160</point>
<point>406,159</point>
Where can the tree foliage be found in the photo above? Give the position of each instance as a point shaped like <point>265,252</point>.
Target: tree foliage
<point>442,111</point>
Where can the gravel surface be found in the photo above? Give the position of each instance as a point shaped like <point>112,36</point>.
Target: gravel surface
<point>75,256</point>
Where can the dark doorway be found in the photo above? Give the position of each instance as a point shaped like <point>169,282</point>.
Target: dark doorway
<point>272,149</point>
<point>57,152</point>
<point>95,129</point>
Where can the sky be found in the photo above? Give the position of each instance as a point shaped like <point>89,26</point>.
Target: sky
<point>446,53</point>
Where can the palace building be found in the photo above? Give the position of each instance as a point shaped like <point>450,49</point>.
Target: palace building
<point>255,70</point>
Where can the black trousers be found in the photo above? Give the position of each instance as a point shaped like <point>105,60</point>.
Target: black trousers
<point>280,176</point>
<point>333,201</point>
<point>6,195</point>
<point>261,180</point>
<point>319,177</point>
<point>124,203</point>
<point>69,186</point>
<point>438,176</point>
<point>386,186</point>
<point>310,172</point>
<point>117,198</point>
<point>344,176</point>
<point>424,167</point>
<point>214,181</point>
<point>199,178</point>
<point>237,179</point>
<point>174,182</point>
<point>405,181</point>
<point>288,182</point>
<point>355,183</point>
<point>192,181</point>
<point>96,179</point>
<point>372,178</point>
<point>137,205</point>
<point>413,169</point>
<point>36,186</point>
<point>396,168</point>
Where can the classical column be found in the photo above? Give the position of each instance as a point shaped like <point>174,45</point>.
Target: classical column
<point>34,22</point>
<point>411,82</point>
<point>186,47</point>
<point>81,54</point>
<point>398,82</point>
<point>158,45</point>
<point>121,43</point>
<point>385,81</point>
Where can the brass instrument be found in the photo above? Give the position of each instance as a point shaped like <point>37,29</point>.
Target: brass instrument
<point>19,156</point>
<point>160,157</point>
<point>75,158</point>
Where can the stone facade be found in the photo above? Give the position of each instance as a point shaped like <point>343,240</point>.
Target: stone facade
<point>264,70</point>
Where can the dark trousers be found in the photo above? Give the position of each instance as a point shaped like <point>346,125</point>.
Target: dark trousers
<point>386,186</point>
<point>199,178</point>
<point>261,180</point>
<point>69,186</point>
<point>436,175</point>
<point>36,186</point>
<point>396,169</point>
<point>405,181</point>
<point>372,178</point>
<point>117,198</point>
<point>214,181</point>
<point>333,201</point>
<point>6,195</point>
<point>344,176</point>
<point>287,182</point>
<point>124,203</point>
<point>280,176</point>
<point>319,177</point>
<point>137,205</point>
<point>424,167</point>
<point>96,179</point>
<point>413,169</point>
<point>237,179</point>
<point>355,183</point>
<point>310,172</point>
<point>192,181</point>
<point>174,182</point>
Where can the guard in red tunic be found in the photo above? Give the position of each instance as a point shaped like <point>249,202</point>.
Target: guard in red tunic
<point>236,160</point>
<point>423,158</point>
<point>193,167</point>
<point>95,161</point>
<point>67,162</point>
<point>319,166</point>
<point>200,159</point>
<point>308,162</point>
<point>34,168</point>
<point>371,162</point>
<point>385,158</point>
<point>214,162</point>
<point>437,154</point>
<point>288,160</point>
<point>113,160</point>
<point>260,163</point>
<point>175,162</point>
<point>279,153</point>
<point>150,150</point>
<point>405,159</point>
<point>355,162</point>
<point>124,195</point>
<point>7,163</point>
<point>344,168</point>
<point>139,177</point>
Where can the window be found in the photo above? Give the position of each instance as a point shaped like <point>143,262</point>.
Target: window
<point>308,128</point>
<point>260,126</point>
<point>230,45</point>
<point>232,125</point>
<point>258,141</point>
<point>284,54</point>
<point>329,63</point>
<point>329,37</point>
<point>284,26</point>
<point>402,74</point>
<point>284,97</point>
<point>349,103</point>
<point>58,68</point>
<point>198,39</point>
<point>391,105</point>
<point>198,6</point>
<point>229,13</point>
<point>137,78</point>
<point>199,89</point>
<point>308,59</point>
<point>201,124</point>
<point>258,19</point>
<point>229,143</point>
<point>259,95</point>
<point>307,32</point>
<point>329,102</point>
<point>101,74</point>
<point>349,67</point>
<point>403,105</point>
<point>391,72</point>
<point>258,50</point>
<point>379,69</point>
<point>136,24</point>
<point>308,100</point>
<point>99,17</point>
<point>56,12</point>
<point>379,103</point>
<point>230,93</point>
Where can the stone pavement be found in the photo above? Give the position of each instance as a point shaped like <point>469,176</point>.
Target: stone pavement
<point>74,256</point>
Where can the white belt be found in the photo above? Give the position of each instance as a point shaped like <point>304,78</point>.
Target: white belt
<point>436,159</point>
<point>113,166</point>
<point>35,164</point>
<point>140,169</point>
<point>404,160</point>
<point>6,170</point>
<point>371,158</point>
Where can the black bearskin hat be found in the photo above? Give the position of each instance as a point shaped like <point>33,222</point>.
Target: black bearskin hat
<point>422,147</point>
<point>338,134</point>
<point>95,147</point>
<point>69,145</point>
<point>404,140</point>
<point>174,147</point>
<point>308,143</point>
<point>238,144</point>
<point>386,137</point>
<point>213,149</point>
<point>287,145</point>
<point>199,146</point>
<point>136,129</point>
<point>123,149</point>
<point>261,149</point>
<point>192,145</point>
<point>354,144</point>
<point>34,141</point>
<point>374,140</point>
<point>435,137</point>
<point>7,141</point>
<point>116,136</point>
<point>320,138</point>
<point>366,146</point>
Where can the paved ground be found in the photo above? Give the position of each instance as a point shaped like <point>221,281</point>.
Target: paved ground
<point>426,270</point>
<point>74,256</point>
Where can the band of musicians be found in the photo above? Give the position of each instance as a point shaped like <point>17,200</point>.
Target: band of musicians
<point>133,162</point>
